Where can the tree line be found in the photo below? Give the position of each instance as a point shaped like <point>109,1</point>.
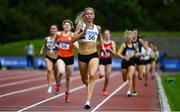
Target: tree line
<point>31,19</point>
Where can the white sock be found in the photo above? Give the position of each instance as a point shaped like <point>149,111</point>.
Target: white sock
<point>87,103</point>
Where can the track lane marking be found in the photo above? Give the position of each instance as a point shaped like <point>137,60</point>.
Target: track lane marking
<point>21,82</point>
<point>51,98</point>
<point>16,77</point>
<point>107,98</point>
<point>61,94</point>
<point>34,88</point>
<point>163,100</point>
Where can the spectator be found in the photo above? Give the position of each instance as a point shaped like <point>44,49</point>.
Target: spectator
<point>29,55</point>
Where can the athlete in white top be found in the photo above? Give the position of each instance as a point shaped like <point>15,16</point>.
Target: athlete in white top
<point>51,56</point>
<point>88,33</point>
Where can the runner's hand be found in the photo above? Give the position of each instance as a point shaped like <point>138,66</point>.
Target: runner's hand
<point>104,50</point>
<point>127,58</point>
<point>51,52</point>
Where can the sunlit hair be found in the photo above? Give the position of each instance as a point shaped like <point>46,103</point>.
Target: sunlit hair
<point>127,33</point>
<point>69,21</point>
<point>106,31</point>
<point>80,15</point>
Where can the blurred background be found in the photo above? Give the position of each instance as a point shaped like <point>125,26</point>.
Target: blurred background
<point>27,22</point>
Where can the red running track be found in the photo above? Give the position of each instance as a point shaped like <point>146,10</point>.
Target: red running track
<point>23,90</point>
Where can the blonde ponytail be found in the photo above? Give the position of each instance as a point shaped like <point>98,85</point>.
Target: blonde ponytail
<point>80,15</point>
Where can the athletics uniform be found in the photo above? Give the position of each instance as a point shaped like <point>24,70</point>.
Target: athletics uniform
<point>106,58</point>
<point>65,51</point>
<point>147,56</point>
<point>49,45</point>
<point>90,35</point>
<point>65,55</point>
<point>139,45</point>
<point>128,51</point>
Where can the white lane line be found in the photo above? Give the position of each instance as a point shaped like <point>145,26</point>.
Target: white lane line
<point>106,99</point>
<point>17,77</point>
<point>33,88</point>
<point>61,94</point>
<point>51,98</point>
<point>165,107</point>
<point>21,82</point>
<point>12,73</point>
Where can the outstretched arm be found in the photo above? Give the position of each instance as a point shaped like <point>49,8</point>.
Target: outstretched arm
<point>78,31</point>
<point>42,48</point>
<point>100,37</point>
<point>120,53</point>
<point>101,40</point>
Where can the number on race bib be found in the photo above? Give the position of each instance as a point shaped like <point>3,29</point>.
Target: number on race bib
<point>91,37</point>
<point>64,45</point>
<point>130,52</point>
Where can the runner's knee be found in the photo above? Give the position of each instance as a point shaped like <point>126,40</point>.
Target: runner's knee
<point>49,70</point>
<point>61,66</point>
<point>101,70</point>
<point>68,79</point>
<point>92,77</point>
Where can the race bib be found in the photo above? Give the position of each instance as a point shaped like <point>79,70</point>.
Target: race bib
<point>130,52</point>
<point>91,36</point>
<point>64,45</point>
<point>49,45</point>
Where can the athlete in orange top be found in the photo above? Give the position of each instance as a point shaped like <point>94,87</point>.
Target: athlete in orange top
<point>65,45</point>
<point>65,56</point>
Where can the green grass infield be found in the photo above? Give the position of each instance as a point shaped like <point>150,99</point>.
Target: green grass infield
<point>171,84</point>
